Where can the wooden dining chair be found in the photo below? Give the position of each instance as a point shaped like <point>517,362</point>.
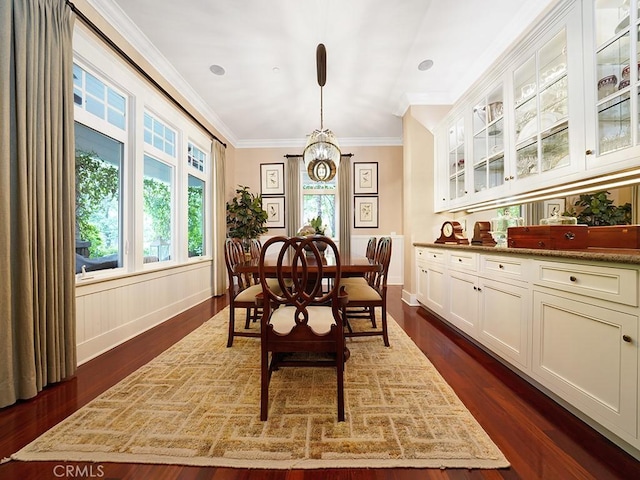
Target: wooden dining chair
<point>370,253</point>
<point>370,295</point>
<point>300,318</point>
<point>242,291</point>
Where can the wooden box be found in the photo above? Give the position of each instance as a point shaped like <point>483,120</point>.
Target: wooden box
<point>549,237</point>
<point>615,236</point>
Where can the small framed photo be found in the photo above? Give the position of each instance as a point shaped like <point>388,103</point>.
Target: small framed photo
<point>553,207</point>
<point>365,178</point>
<point>365,212</point>
<point>274,206</point>
<point>272,178</point>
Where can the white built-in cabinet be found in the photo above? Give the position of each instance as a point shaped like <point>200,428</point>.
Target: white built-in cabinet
<point>568,325</point>
<point>562,105</point>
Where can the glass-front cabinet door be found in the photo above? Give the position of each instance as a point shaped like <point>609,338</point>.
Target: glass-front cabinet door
<point>541,110</point>
<point>488,141</point>
<point>616,81</point>
<point>456,145</point>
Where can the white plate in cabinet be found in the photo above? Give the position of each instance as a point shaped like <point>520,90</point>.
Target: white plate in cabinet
<point>460,260</point>
<point>588,355</point>
<point>505,319</point>
<point>618,285</point>
<point>505,267</point>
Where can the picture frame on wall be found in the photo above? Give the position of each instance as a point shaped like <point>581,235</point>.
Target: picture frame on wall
<point>365,178</point>
<point>365,212</point>
<point>274,206</point>
<point>272,178</point>
<point>554,207</point>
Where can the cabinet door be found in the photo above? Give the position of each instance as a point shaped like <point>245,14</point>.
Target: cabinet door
<point>434,279</point>
<point>488,145</point>
<point>456,160</point>
<point>463,301</point>
<point>505,320</point>
<point>611,32</point>
<point>421,279</point>
<point>589,356</point>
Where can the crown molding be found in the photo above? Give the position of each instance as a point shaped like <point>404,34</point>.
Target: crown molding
<point>299,143</point>
<point>115,16</point>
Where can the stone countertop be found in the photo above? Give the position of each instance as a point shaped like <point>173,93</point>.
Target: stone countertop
<point>610,255</point>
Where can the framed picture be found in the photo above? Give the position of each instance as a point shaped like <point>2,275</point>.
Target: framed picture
<point>365,178</point>
<point>365,212</point>
<point>274,206</point>
<point>554,206</point>
<point>272,178</point>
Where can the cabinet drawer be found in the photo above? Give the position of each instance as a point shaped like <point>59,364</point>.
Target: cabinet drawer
<point>426,255</point>
<point>508,267</point>
<point>607,283</point>
<point>464,260</point>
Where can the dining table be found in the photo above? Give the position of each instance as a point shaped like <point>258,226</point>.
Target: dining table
<point>351,266</point>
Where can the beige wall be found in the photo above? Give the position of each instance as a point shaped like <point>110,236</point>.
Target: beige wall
<point>245,170</point>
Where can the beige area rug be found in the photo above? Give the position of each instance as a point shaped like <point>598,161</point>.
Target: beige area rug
<point>198,403</point>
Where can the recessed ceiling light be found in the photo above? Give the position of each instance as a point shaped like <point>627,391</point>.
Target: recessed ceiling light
<point>425,65</point>
<point>276,69</point>
<point>217,70</point>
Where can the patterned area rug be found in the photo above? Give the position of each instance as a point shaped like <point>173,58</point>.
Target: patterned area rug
<point>198,403</point>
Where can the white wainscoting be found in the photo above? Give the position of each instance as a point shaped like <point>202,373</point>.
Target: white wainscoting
<point>111,311</point>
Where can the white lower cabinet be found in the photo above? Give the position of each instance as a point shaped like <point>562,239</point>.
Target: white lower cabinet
<point>588,355</point>
<point>463,301</point>
<point>571,326</point>
<point>505,319</point>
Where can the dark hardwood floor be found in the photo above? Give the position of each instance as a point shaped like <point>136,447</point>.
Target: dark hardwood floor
<point>540,439</point>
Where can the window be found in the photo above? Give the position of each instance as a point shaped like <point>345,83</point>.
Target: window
<point>98,196</point>
<point>196,157</point>
<point>157,195</point>
<point>159,135</point>
<point>95,97</point>
<point>319,199</point>
<point>195,216</point>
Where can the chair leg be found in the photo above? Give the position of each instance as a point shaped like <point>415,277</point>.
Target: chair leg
<point>372,316</point>
<point>265,376</point>
<point>385,334</point>
<point>247,320</point>
<point>345,320</point>
<point>232,327</point>
<point>340,380</point>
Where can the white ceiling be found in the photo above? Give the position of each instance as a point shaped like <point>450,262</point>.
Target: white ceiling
<point>373,51</point>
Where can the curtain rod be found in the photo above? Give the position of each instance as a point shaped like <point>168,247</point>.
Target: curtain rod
<point>139,69</point>
<point>288,155</point>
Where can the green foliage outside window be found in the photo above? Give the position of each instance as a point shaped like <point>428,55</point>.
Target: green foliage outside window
<point>195,234</point>
<point>97,203</point>
<point>157,209</point>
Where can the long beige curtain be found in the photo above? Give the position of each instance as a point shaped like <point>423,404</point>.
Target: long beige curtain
<point>220,216</point>
<point>345,199</point>
<point>37,197</point>
<point>292,191</point>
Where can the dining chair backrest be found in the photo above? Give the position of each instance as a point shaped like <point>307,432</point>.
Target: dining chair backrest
<point>255,248</point>
<point>382,257</point>
<point>371,248</point>
<point>234,254</point>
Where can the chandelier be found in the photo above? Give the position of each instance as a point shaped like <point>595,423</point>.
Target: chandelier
<point>321,156</point>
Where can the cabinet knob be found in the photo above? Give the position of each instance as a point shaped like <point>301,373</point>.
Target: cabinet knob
<point>500,266</point>
<point>506,179</point>
<point>572,278</point>
<point>626,338</point>
<point>511,177</point>
<point>475,288</point>
<point>589,152</point>
<point>459,259</point>
<point>541,244</point>
<point>570,236</point>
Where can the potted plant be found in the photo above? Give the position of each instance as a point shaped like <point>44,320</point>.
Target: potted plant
<point>597,209</point>
<point>246,218</point>
<point>314,227</point>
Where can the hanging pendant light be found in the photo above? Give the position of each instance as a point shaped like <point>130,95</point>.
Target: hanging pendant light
<point>321,155</point>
